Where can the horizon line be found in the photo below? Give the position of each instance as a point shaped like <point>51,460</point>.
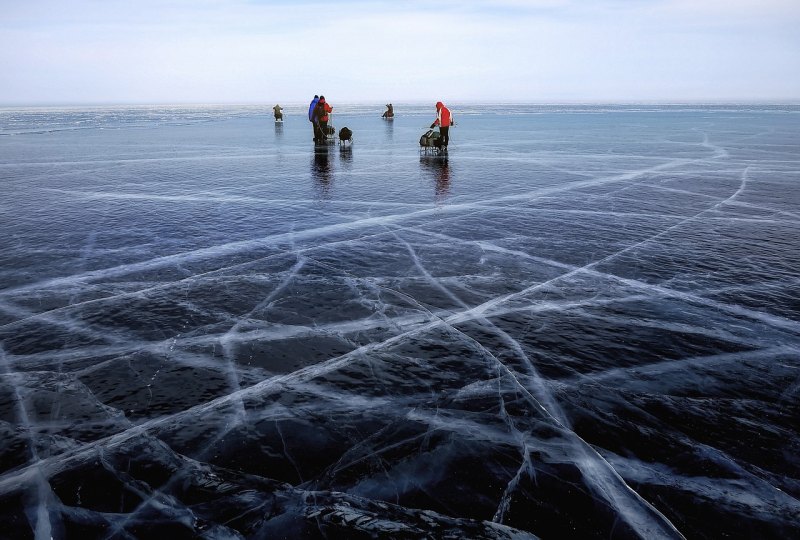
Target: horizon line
<point>573,102</point>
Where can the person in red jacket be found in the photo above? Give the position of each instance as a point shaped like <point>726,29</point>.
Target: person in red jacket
<point>322,115</point>
<point>444,120</point>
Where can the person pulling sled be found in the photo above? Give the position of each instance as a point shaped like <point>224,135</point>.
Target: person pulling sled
<point>444,119</point>
<point>436,141</point>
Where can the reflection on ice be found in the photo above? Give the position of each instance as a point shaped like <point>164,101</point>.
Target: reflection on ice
<point>321,170</point>
<point>586,329</point>
<point>438,167</point>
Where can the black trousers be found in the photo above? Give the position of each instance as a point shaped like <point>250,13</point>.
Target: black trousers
<point>445,131</point>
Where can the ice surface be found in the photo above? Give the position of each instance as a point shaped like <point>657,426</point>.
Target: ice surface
<point>583,322</point>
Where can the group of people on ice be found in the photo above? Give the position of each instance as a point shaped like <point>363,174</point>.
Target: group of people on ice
<point>319,111</point>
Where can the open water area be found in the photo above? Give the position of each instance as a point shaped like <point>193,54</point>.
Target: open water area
<point>583,322</point>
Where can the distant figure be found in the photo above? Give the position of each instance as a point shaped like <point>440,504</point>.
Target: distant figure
<point>389,113</point>
<point>444,120</point>
<point>278,112</point>
<point>322,110</point>
<point>312,116</point>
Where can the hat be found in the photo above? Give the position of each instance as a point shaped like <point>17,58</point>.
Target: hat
<point>439,104</point>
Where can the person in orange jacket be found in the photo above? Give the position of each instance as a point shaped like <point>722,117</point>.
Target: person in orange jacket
<point>444,120</point>
<point>323,108</point>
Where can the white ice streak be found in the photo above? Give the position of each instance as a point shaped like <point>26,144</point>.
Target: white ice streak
<point>227,345</point>
<point>39,488</point>
<point>649,288</point>
<point>233,248</point>
<point>600,476</point>
<point>759,497</point>
<point>622,377</point>
<point>525,468</point>
<point>65,323</point>
<point>732,201</point>
<point>161,502</point>
<point>221,197</point>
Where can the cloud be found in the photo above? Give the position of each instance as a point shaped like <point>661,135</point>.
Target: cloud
<point>236,51</point>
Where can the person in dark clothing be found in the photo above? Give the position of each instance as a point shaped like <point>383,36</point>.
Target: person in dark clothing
<point>312,116</point>
<point>389,112</point>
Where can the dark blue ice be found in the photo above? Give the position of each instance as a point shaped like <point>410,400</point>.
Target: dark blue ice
<point>582,322</point>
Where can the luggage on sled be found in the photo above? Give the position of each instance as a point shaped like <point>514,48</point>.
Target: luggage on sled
<point>431,140</point>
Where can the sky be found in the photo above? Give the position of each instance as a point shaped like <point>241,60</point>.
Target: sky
<point>256,51</point>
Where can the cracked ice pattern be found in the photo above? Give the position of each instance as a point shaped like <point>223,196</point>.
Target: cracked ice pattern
<point>582,323</point>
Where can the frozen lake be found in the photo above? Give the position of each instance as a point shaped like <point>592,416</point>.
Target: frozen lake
<point>584,322</point>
